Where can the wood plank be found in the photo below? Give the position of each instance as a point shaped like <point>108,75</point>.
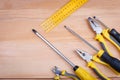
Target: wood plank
<point>23,55</point>
<point>48,79</point>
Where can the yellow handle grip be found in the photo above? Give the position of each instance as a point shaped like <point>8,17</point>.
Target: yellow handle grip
<point>100,38</point>
<point>57,77</point>
<point>97,59</point>
<point>83,74</point>
<point>97,71</point>
<point>106,34</point>
<point>99,54</point>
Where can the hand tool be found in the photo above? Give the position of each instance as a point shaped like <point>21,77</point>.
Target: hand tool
<point>94,24</point>
<point>89,59</point>
<point>79,71</point>
<point>111,34</point>
<point>98,31</point>
<point>63,73</point>
<point>57,73</point>
<point>107,33</point>
<point>103,55</point>
<point>62,14</point>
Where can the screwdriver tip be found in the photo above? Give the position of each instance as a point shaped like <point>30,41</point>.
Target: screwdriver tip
<point>34,30</point>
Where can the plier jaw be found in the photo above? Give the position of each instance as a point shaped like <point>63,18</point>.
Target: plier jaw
<point>94,25</point>
<point>63,73</point>
<point>56,71</point>
<point>84,55</point>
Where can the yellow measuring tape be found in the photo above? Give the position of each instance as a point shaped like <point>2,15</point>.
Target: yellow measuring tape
<point>61,14</point>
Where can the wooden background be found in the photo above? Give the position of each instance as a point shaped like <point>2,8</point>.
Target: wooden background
<point>23,55</point>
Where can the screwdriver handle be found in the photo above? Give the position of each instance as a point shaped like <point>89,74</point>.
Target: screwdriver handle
<point>83,74</point>
<point>114,63</point>
<point>115,34</point>
<point>97,71</point>
<point>110,37</point>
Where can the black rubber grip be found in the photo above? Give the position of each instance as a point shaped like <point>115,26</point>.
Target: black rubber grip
<point>113,62</point>
<point>103,46</point>
<point>75,68</point>
<point>100,76</point>
<point>115,34</point>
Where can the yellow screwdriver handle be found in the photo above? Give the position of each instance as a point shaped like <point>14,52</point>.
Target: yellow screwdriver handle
<point>106,34</point>
<point>83,74</point>
<point>97,71</point>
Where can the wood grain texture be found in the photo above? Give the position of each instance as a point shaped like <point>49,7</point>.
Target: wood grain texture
<point>23,55</point>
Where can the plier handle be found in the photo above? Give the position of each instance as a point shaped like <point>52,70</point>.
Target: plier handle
<point>112,35</point>
<point>99,36</point>
<point>104,55</point>
<point>63,73</point>
<point>89,59</point>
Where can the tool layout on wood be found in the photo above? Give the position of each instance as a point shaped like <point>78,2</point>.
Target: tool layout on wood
<point>79,71</point>
<point>103,54</point>
<point>61,14</point>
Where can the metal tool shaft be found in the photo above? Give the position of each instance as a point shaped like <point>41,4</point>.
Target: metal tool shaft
<point>74,33</point>
<point>99,21</point>
<point>54,48</point>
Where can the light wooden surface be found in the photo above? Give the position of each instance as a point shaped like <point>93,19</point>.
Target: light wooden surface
<point>23,55</point>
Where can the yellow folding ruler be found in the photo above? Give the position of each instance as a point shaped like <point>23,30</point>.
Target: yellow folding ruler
<point>61,14</point>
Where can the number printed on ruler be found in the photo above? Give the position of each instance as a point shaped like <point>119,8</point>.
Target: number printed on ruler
<point>61,14</point>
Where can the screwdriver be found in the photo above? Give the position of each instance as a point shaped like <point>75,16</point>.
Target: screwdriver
<point>112,62</point>
<point>80,72</point>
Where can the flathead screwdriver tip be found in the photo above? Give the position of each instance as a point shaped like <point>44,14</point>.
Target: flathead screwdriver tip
<point>34,30</point>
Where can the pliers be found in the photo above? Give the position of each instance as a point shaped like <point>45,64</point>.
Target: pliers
<point>104,55</point>
<point>107,33</point>
<point>59,73</point>
<point>89,59</point>
<point>101,56</point>
<point>110,34</point>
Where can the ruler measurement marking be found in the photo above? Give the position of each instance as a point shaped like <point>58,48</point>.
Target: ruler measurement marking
<point>62,14</point>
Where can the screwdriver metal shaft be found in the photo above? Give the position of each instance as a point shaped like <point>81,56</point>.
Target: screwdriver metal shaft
<point>52,47</point>
<point>74,33</point>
